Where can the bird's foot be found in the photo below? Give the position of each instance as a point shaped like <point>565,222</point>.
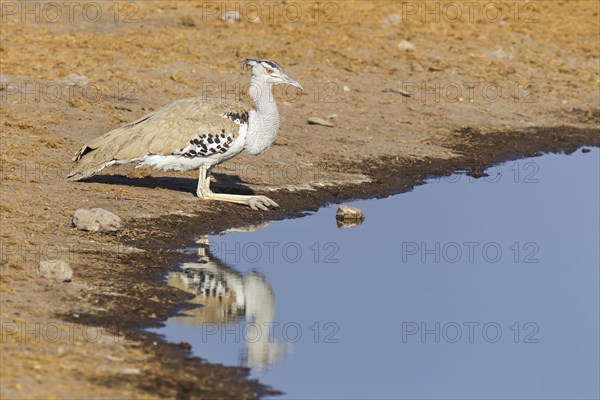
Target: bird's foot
<point>261,202</point>
<point>254,202</point>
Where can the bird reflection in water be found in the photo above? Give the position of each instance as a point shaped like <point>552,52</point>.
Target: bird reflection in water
<point>228,297</point>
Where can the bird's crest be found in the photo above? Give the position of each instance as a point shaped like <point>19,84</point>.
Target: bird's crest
<point>251,62</point>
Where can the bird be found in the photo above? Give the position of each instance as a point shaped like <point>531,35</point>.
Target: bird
<point>196,133</point>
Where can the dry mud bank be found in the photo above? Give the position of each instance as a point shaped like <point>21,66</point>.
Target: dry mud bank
<point>471,93</point>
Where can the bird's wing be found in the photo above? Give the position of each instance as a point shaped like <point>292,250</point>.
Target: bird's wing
<point>171,129</point>
<point>193,127</point>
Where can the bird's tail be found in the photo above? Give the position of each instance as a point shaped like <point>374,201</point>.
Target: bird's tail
<point>77,174</point>
<point>118,146</point>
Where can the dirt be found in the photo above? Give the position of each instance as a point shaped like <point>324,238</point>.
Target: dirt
<point>405,115</point>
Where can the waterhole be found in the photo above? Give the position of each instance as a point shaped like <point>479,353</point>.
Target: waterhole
<point>461,288</point>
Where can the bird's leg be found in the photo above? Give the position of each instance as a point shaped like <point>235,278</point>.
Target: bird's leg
<point>203,190</point>
<point>255,202</point>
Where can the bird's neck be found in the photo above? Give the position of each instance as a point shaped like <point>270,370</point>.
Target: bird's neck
<point>263,123</point>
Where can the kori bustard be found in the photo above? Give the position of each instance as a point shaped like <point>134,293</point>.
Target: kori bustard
<point>196,133</point>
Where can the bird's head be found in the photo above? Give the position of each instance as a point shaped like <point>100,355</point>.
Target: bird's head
<point>270,72</point>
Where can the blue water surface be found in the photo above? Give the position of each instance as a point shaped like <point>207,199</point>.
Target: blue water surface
<point>462,288</point>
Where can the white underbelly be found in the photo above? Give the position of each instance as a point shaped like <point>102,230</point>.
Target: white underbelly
<point>176,162</point>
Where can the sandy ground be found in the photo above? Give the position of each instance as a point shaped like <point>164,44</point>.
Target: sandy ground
<point>489,84</point>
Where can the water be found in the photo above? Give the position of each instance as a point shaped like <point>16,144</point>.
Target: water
<point>462,288</point>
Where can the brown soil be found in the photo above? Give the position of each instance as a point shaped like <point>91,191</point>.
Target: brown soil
<point>383,142</point>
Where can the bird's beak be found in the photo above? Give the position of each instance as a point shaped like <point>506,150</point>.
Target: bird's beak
<point>293,83</point>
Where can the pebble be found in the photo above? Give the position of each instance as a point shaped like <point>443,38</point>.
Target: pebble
<point>349,217</point>
<point>391,20</point>
<point>188,21</point>
<point>416,67</point>
<point>498,54</point>
<point>349,213</point>
<point>56,269</point>
<point>130,371</point>
<point>406,45</point>
<point>320,121</point>
<point>346,89</point>
<point>76,80</point>
<point>96,220</point>
<point>401,92</point>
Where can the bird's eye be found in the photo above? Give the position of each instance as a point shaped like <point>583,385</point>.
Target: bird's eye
<point>269,71</point>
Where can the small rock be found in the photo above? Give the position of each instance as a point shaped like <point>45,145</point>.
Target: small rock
<point>130,371</point>
<point>436,61</point>
<point>348,217</point>
<point>231,17</point>
<point>346,89</point>
<point>498,54</point>
<point>76,80</point>
<point>320,121</point>
<point>96,220</point>
<point>585,150</point>
<point>59,270</point>
<point>188,21</point>
<point>416,67</point>
<point>391,20</point>
<point>406,45</point>
<point>401,92</point>
<point>332,116</point>
<point>349,213</point>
